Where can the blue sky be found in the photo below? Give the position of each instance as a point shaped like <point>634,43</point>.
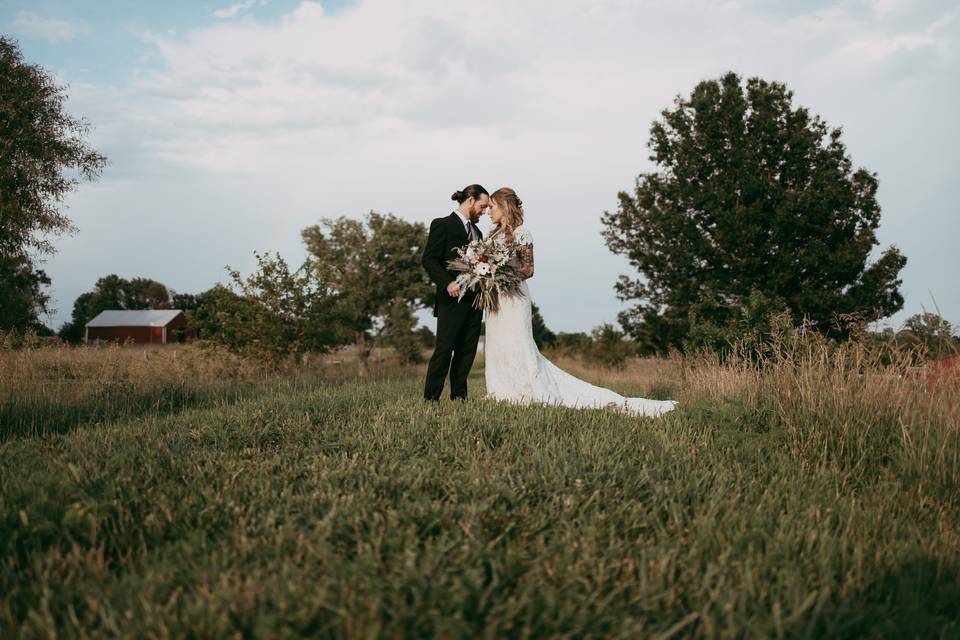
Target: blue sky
<point>102,41</point>
<point>231,125</point>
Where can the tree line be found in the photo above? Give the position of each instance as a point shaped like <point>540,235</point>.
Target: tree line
<point>361,284</point>
<point>754,220</point>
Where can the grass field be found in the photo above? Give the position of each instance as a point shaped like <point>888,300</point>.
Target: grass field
<point>168,494</point>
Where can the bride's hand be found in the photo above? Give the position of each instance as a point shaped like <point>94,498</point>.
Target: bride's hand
<point>453,289</point>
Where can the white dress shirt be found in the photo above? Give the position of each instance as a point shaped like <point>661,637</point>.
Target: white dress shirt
<point>466,224</point>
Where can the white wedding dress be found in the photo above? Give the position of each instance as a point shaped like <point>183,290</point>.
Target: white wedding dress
<point>516,371</point>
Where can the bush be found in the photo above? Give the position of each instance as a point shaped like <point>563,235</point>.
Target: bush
<point>605,345</point>
<point>274,314</point>
<point>572,344</point>
<point>398,332</point>
<point>930,335</point>
<point>30,338</point>
<point>426,337</point>
<point>749,328</point>
<point>609,347</point>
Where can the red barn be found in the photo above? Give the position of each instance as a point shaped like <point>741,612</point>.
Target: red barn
<point>146,326</point>
<point>943,371</point>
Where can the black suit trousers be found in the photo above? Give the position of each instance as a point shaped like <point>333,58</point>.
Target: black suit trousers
<point>458,331</point>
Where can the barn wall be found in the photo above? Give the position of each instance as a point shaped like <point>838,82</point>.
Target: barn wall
<point>178,326</point>
<point>145,335</point>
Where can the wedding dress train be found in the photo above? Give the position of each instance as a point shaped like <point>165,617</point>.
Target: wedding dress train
<point>516,371</point>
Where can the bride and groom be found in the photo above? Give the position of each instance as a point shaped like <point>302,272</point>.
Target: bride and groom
<point>515,370</point>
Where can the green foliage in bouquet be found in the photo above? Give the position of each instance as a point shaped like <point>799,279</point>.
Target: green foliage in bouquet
<point>491,268</point>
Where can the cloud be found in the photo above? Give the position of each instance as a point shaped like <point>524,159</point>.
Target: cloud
<point>383,70</point>
<point>32,25</point>
<point>390,106</point>
<point>236,9</point>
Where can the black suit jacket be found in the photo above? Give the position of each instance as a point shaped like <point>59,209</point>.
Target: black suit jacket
<point>446,234</point>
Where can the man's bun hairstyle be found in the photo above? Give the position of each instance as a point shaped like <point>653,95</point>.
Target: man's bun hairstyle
<point>473,191</point>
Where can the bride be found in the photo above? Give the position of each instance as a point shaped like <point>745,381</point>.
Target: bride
<point>515,369</point>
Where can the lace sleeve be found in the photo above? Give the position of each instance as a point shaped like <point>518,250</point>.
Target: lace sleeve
<point>524,245</point>
<point>525,254</point>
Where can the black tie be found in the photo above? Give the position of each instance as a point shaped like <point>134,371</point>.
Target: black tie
<point>471,234</point>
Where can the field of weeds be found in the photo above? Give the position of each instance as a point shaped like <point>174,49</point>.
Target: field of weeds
<point>175,492</point>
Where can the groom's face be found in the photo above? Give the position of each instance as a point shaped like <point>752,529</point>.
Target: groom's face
<point>479,207</point>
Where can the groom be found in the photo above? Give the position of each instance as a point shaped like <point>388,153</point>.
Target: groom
<point>458,323</point>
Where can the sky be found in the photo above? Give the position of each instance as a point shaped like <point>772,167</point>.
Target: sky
<point>232,125</point>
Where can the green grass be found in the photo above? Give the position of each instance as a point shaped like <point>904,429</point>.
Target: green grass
<point>355,509</point>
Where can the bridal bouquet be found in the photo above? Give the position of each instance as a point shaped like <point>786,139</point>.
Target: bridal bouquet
<point>489,266</point>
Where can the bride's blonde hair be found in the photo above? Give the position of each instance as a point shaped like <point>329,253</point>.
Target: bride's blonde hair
<point>513,210</point>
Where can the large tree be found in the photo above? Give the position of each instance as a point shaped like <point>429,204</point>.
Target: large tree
<point>751,194</point>
<point>374,268</point>
<point>43,156</point>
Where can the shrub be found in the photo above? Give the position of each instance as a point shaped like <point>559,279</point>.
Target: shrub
<point>609,346</point>
<point>398,332</point>
<point>750,328</point>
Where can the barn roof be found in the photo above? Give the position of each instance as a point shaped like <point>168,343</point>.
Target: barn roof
<point>134,318</point>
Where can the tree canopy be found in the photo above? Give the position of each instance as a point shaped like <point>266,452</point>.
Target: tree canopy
<point>751,196</point>
<point>373,267</point>
<point>43,156</point>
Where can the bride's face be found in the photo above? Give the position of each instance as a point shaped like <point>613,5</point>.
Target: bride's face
<point>496,212</point>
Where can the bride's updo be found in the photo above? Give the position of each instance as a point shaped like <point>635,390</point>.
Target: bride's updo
<point>512,207</point>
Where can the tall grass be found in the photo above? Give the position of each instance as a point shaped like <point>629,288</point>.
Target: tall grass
<point>51,387</point>
<point>852,405</point>
<point>811,493</point>
<point>861,407</point>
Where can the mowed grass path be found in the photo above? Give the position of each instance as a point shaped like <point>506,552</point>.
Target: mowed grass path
<point>356,510</point>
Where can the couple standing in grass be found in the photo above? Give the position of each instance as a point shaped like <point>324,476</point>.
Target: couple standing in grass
<point>515,370</point>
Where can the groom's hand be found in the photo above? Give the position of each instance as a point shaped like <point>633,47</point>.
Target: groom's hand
<point>453,289</point>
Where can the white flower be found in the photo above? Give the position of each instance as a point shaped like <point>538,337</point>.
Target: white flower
<point>482,269</point>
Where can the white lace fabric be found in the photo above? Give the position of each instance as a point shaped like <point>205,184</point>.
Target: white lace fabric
<point>516,371</point>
